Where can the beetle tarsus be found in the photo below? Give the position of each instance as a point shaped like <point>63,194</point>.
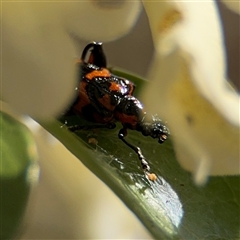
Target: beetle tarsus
<point>145,166</point>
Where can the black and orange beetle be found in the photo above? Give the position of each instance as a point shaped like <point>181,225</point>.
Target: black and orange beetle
<point>105,98</point>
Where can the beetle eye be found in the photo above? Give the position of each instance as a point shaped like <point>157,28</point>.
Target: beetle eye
<point>162,138</point>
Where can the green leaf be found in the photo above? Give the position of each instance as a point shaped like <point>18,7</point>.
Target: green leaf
<point>170,208</point>
<point>18,171</point>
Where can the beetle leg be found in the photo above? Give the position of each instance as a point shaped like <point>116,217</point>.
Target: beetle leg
<point>145,166</point>
<point>75,128</point>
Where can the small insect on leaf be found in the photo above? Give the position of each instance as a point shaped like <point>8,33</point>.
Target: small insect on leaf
<point>104,99</point>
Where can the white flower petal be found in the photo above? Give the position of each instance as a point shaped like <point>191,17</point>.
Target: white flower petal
<point>41,41</point>
<point>102,20</point>
<point>201,39</point>
<point>37,59</point>
<point>188,78</point>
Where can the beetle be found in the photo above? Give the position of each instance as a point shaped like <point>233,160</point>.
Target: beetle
<point>104,98</point>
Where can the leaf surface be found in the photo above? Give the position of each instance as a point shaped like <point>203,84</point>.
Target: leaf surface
<point>18,171</point>
<point>171,207</point>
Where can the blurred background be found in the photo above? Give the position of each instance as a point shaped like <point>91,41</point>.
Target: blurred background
<point>70,202</point>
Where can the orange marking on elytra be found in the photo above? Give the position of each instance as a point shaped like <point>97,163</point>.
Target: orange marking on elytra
<point>115,87</point>
<point>98,73</point>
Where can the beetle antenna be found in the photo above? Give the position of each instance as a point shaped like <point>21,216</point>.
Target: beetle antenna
<point>97,56</point>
